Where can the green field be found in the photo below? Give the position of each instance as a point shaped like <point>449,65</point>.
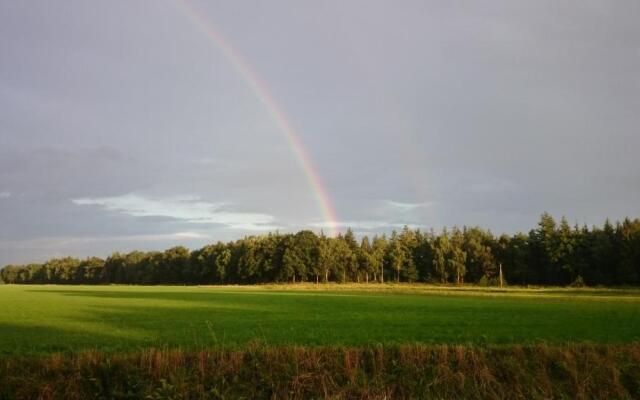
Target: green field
<point>41,319</point>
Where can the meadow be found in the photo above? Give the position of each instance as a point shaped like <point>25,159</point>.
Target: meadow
<point>44,319</point>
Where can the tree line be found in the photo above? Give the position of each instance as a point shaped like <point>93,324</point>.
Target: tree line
<point>554,253</point>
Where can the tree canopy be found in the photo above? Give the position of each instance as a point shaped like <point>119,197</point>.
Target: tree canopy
<point>551,254</point>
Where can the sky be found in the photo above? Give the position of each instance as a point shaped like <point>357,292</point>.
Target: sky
<point>144,124</point>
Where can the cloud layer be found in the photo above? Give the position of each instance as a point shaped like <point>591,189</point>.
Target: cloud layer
<point>424,113</point>
<point>187,208</point>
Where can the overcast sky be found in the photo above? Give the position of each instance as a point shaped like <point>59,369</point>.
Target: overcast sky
<point>124,126</point>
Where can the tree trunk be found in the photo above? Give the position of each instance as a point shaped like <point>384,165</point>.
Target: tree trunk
<point>366,276</point>
<point>381,274</point>
<point>317,279</point>
<point>326,276</point>
<point>501,281</point>
<point>294,278</point>
<point>398,275</point>
<point>375,277</point>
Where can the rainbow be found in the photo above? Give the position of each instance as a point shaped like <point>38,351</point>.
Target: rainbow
<point>262,91</point>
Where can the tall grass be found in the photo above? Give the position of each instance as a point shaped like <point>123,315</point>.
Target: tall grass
<point>580,371</point>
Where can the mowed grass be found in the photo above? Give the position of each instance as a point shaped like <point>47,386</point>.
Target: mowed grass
<point>42,319</point>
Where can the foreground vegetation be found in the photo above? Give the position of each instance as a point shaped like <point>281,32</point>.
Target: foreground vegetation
<point>378,372</point>
<point>340,341</point>
<point>40,319</point>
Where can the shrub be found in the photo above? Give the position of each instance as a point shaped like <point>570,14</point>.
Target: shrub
<point>578,282</point>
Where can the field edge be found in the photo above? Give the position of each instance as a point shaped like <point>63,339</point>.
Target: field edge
<point>402,371</point>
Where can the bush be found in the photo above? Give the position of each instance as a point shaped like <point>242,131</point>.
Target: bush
<point>578,282</point>
<point>491,281</point>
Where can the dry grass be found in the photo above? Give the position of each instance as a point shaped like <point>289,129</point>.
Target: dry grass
<point>581,371</point>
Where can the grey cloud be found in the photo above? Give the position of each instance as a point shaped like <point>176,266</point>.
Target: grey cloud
<point>488,113</point>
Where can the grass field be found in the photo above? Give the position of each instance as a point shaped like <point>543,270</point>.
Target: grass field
<point>44,319</point>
